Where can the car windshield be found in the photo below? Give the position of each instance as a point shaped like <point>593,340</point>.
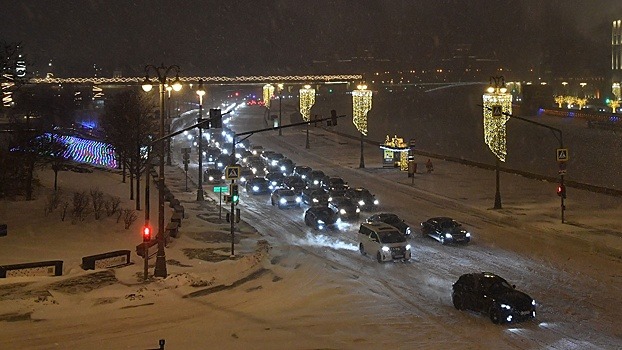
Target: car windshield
<point>287,193</point>
<point>450,224</point>
<point>391,237</point>
<point>392,219</point>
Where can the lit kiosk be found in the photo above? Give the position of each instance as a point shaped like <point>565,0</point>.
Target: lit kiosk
<point>497,103</point>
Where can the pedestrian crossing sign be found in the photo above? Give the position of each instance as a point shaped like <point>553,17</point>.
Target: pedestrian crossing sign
<point>232,172</point>
<point>562,154</point>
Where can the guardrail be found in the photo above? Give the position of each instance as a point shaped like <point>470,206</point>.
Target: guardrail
<point>106,260</point>
<point>40,268</point>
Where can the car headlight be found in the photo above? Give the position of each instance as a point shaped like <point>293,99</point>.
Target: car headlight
<point>255,188</point>
<point>211,178</point>
<point>315,182</point>
<point>254,170</point>
<point>408,230</point>
<point>376,202</point>
<point>506,306</point>
<point>468,234</point>
<point>330,199</point>
<point>315,200</point>
<point>385,248</point>
<point>448,235</point>
<point>219,164</point>
<point>358,210</point>
<point>533,302</point>
<point>509,318</point>
<point>342,211</point>
<point>303,177</point>
<point>243,179</point>
<point>407,247</point>
<point>224,151</point>
<point>274,163</point>
<point>282,168</point>
<point>254,152</point>
<point>273,183</point>
<point>298,199</point>
<point>320,222</point>
<point>282,201</point>
<point>361,202</point>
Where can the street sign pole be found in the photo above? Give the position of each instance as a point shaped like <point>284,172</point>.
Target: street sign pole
<point>219,205</point>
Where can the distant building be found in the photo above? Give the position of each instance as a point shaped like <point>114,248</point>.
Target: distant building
<point>616,57</point>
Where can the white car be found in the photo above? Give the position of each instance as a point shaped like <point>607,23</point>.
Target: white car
<point>384,242</point>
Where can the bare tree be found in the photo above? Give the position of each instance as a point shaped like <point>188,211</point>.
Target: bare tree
<point>97,199</point>
<point>112,205</point>
<point>80,205</point>
<point>129,216</point>
<point>129,123</point>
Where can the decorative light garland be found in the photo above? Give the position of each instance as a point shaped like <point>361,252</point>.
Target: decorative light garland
<point>615,90</point>
<point>307,100</point>
<point>497,106</point>
<point>268,92</point>
<point>361,104</point>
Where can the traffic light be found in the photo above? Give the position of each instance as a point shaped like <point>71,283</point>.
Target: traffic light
<point>146,233</point>
<point>561,190</point>
<point>215,116</point>
<point>333,118</point>
<point>235,196</point>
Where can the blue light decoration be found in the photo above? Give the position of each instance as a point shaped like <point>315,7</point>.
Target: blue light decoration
<point>92,152</point>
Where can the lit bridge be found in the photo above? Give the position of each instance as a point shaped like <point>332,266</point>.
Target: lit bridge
<point>253,79</point>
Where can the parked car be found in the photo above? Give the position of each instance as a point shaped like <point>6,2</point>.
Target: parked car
<point>445,230</point>
<point>302,171</point>
<point>345,208</point>
<point>321,218</point>
<point>314,197</point>
<point>284,198</point>
<point>490,294</point>
<point>258,185</point>
<point>294,183</point>
<point>391,219</point>
<point>276,180</point>
<point>315,179</point>
<point>363,198</point>
<point>286,166</point>
<point>334,183</point>
<point>213,176</point>
<point>383,241</point>
<point>246,174</point>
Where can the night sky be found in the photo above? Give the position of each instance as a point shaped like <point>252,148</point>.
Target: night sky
<point>265,37</point>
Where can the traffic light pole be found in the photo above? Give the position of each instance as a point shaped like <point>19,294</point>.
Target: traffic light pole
<point>232,215</point>
<point>561,145</point>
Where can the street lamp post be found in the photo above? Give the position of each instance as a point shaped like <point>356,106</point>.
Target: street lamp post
<point>280,88</point>
<point>497,108</point>
<point>361,105</point>
<point>161,75</point>
<point>200,92</point>
<point>169,88</point>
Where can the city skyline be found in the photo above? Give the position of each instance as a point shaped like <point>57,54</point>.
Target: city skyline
<point>232,38</point>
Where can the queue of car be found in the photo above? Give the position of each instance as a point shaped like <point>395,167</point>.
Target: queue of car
<point>329,201</point>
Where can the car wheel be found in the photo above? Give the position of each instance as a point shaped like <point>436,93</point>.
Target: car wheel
<point>362,249</point>
<point>379,257</point>
<point>272,202</point>
<point>458,303</point>
<point>495,314</point>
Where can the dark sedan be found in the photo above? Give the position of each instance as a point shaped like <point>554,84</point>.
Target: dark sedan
<point>361,196</point>
<point>258,185</point>
<point>302,171</point>
<point>391,219</point>
<point>213,176</point>
<point>445,230</point>
<point>345,208</point>
<point>294,183</point>
<point>490,294</point>
<point>314,197</point>
<point>321,218</point>
<point>315,179</point>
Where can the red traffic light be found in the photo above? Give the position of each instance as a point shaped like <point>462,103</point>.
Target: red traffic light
<point>146,234</point>
<point>561,190</point>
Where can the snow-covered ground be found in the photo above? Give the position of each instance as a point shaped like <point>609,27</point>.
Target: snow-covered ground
<point>292,288</point>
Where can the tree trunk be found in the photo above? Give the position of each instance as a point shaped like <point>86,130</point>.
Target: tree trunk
<point>131,185</point>
<point>123,167</point>
<point>55,178</point>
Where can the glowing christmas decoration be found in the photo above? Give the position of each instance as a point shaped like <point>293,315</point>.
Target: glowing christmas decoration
<point>497,107</point>
<point>88,151</point>
<point>268,92</point>
<point>570,100</point>
<point>615,90</point>
<point>614,104</point>
<point>559,100</point>
<point>581,102</point>
<point>361,104</point>
<point>7,90</point>
<point>307,100</point>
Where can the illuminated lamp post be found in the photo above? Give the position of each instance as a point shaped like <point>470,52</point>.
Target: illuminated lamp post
<point>169,88</point>
<point>268,92</point>
<point>583,89</point>
<point>615,90</point>
<point>280,88</point>
<point>497,106</point>
<point>200,93</point>
<point>307,100</point>
<point>161,76</point>
<point>361,104</point>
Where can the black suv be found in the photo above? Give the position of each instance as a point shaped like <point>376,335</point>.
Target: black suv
<point>490,294</point>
